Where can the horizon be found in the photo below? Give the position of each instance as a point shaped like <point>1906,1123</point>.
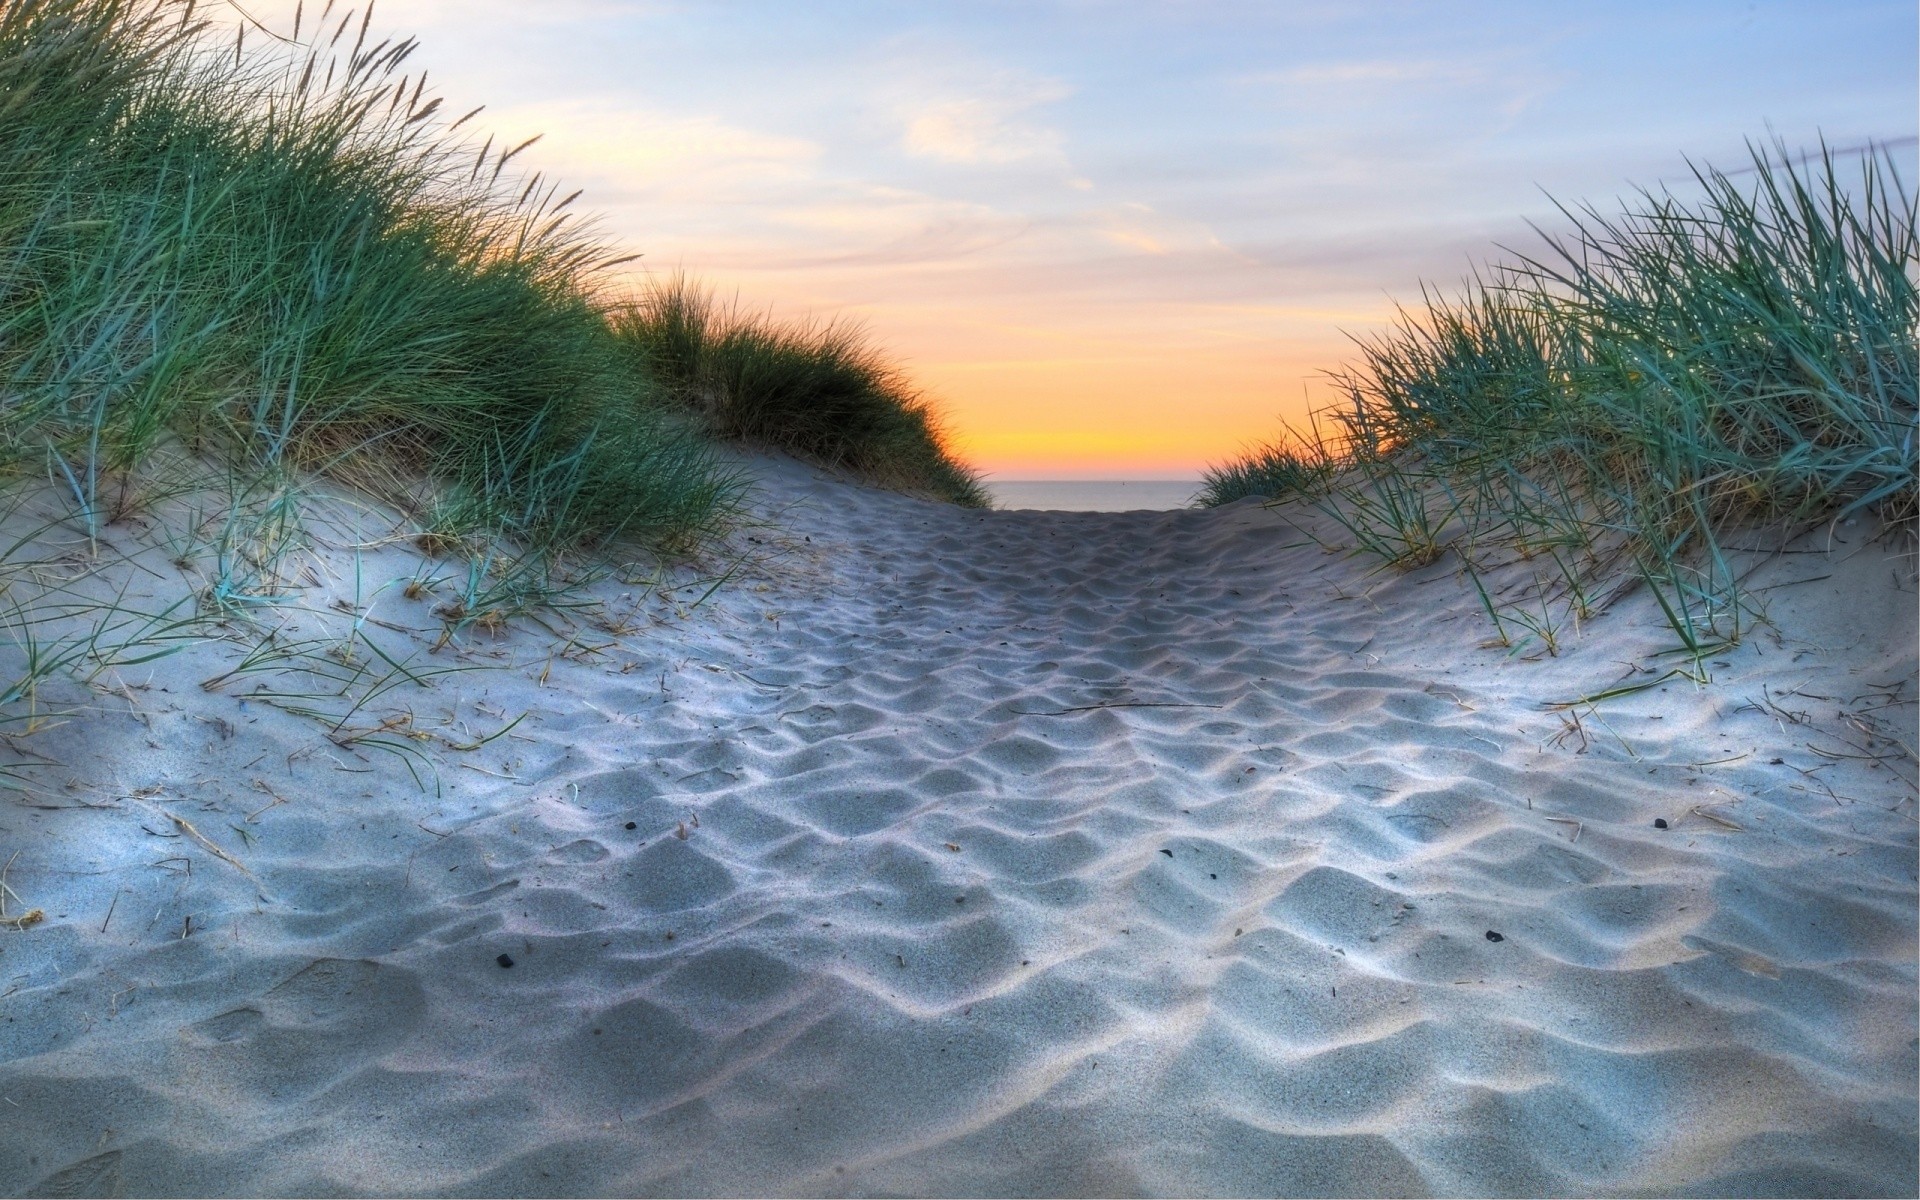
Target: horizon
<point>1118,244</point>
<point>995,477</point>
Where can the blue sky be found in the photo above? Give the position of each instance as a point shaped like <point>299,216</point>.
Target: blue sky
<point>1120,240</point>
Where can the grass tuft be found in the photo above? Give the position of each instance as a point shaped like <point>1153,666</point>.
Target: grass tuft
<point>281,255</point>
<point>1620,402</point>
<point>232,266</point>
<point>238,269</point>
<point>819,391</point>
<point>1289,467</point>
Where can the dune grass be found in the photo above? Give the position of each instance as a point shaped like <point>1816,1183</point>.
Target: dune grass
<point>1628,399</point>
<point>817,390</point>
<point>240,268</point>
<point>283,256</point>
<point>234,263</point>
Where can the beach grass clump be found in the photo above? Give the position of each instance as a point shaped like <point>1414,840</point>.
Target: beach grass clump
<point>821,391</point>
<point>1290,466</point>
<point>235,265</point>
<point>284,256</point>
<point>1649,389</point>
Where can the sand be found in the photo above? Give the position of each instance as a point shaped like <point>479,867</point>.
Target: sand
<point>945,852</point>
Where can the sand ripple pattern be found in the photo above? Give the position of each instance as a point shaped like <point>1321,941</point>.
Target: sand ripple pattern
<point>1021,853</point>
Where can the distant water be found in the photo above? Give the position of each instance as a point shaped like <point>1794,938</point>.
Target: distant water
<point>1093,495</point>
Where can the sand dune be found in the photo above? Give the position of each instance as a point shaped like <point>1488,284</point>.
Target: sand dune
<point>992,853</point>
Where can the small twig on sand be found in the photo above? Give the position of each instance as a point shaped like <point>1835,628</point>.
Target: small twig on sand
<point>1577,826</point>
<point>260,785</point>
<point>187,828</point>
<point>494,774</point>
<point>1719,761</point>
<point>1436,691</point>
<point>1700,810</point>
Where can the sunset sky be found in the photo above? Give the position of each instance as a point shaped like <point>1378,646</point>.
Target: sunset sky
<point>1123,240</point>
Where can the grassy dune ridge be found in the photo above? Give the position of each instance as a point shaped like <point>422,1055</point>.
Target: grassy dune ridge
<point>815,390</point>
<point>236,263</point>
<point>281,255</point>
<point>1644,392</point>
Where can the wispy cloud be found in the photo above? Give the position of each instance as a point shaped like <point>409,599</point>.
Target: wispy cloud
<point>996,127</point>
<point>952,103</point>
<point>687,156</point>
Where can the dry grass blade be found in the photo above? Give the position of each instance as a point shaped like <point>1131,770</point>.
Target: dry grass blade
<point>1707,814</point>
<point>1578,828</point>
<point>185,826</point>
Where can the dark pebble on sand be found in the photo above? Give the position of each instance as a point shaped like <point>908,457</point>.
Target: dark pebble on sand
<point>505,960</point>
<point>1659,822</point>
<point>1495,937</point>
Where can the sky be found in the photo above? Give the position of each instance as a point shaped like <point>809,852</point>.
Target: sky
<point>1128,240</point>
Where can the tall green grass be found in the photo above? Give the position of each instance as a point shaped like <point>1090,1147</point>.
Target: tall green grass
<point>1645,387</point>
<point>286,257</point>
<point>231,263</point>
<point>821,391</point>
<point>234,262</point>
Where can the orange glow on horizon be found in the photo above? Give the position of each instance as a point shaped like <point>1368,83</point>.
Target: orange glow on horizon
<point>1170,417</point>
<point>1110,392</point>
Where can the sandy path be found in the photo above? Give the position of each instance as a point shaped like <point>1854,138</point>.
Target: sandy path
<point>1024,854</point>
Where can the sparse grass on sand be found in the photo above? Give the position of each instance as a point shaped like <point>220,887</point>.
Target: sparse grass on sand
<point>816,390</point>
<point>1627,404</point>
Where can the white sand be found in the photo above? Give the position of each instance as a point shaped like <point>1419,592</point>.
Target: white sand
<point>1027,853</point>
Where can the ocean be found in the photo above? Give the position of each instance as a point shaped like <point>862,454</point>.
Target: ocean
<point>1093,495</point>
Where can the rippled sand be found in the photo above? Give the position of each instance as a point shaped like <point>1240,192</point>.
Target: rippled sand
<point>994,853</point>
